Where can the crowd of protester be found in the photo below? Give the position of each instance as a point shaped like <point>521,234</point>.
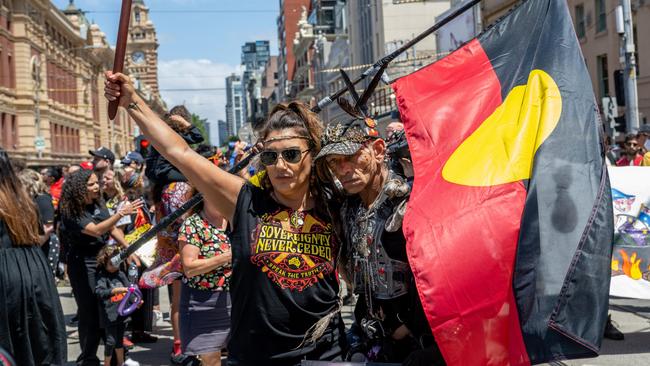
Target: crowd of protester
<point>227,281</point>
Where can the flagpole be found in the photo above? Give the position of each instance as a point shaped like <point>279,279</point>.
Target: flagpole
<point>377,66</point>
<point>120,50</point>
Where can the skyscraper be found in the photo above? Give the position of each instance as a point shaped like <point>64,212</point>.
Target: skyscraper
<point>223,132</point>
<point>254,55</point>
<point>235,109</point>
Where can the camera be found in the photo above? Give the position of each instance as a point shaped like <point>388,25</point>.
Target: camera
<point>397,146</point>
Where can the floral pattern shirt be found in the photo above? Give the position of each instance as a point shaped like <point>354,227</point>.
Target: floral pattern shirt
<point>211,241</point>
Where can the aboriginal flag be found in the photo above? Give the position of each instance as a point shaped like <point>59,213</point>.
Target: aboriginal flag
<point>509,225</point>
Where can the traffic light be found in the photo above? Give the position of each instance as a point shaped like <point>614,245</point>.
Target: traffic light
<point>619,125</point>
<point>142,145</point>
<point>619,87</point>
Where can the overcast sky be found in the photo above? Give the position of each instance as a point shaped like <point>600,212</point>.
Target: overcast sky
<point>200,43</point>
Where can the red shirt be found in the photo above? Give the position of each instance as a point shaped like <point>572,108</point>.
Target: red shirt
<point>55,192</point>
<point>624,161</point>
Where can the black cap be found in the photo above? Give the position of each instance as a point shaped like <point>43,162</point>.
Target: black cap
<point>132,156</point>
<point>104,153</point>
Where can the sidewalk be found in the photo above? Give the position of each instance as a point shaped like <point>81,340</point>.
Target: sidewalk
<point>632,316</point>
<point>153,354</point>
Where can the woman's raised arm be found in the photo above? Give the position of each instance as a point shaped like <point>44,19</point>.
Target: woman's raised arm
<point>219,187</point>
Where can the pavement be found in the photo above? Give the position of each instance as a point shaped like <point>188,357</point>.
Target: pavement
<point>631,316</point>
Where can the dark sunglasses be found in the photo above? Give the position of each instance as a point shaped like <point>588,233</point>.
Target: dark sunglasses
<point>292,156</point>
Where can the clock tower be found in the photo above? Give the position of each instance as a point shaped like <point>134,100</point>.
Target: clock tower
<point>142,47</point>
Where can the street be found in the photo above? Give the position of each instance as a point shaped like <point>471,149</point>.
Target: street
<point>632,316</point>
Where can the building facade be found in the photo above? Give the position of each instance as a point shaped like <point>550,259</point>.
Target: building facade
<point>235,113</point>
<point>51,86</point>
<point>142,50</point>
<point>290,12</point>
<point>595,25</point>
<point>223,132</point>
<point>377,28</point>
<point>255,56</point>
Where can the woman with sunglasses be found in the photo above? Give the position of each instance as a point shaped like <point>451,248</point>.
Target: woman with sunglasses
<point>284,252</point>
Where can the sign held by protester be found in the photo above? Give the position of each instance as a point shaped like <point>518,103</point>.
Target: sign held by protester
<point>631,256</point>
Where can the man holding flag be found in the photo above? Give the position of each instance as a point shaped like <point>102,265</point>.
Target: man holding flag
<point>513,263</point>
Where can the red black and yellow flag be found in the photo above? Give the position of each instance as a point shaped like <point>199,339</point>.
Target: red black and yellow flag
<point>509,225</point>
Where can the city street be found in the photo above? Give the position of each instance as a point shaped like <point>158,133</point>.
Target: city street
<point>632,316</point>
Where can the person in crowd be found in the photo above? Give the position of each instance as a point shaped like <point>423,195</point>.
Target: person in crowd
<point>132,187</point>
<point>392,128</point>
<point>86,226</point>
<point>632,150</point>
<point>133,160</point>
<point>53,178</point>
<point>170,191</point>
<point>112,286</point>
<point>205,301</point>
<point>39,192</point>
<point>284,296</point>
<point>32,327</point>
<point>73,168</point>
<point>374,200</point>
<point>103,159</point>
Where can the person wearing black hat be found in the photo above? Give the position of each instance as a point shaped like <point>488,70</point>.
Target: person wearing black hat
<point>134,160</point>
<point>372,201</point>
<point>103,158</point>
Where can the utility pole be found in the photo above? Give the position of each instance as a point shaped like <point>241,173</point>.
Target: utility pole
<point>624,15</point>
<point>39,142</point>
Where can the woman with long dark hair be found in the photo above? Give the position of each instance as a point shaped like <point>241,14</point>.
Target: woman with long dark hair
<point>284,253</point>
<point>86,226</point>
<point>32,328</point>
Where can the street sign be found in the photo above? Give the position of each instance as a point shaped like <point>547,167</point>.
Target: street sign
<point>39,143</point>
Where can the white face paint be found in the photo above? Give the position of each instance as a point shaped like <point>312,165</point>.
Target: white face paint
<point>647,144</point>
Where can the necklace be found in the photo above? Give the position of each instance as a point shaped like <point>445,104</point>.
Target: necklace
<point>297,217</point>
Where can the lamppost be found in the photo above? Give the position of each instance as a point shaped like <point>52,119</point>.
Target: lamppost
<point>39,141</point>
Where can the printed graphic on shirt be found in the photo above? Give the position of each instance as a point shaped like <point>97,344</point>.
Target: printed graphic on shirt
<point>294,249</point>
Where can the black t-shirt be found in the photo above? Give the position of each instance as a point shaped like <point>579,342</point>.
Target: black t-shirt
<point>283,278</point>
<point>45,208</point>
<point>81,244</point>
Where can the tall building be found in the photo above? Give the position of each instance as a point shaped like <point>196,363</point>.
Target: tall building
<point>311,48</point>
<point>378,27</point>
<point>269,86</point>
<point>255,55</point>
<point>235,113</point>
<point>52,108</point>
<point>290,12</point>
<point>223,132</point>
<point>142,47</point>
<point>330,80</point>
<point>595,25</point>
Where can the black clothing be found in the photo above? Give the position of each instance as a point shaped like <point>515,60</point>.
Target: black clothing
<point>283,282</point>
<point>161,171</point>
<point>82,274</point>
<point>82,271</point>
<point>81,244</point>
<point>51,247</point>
<point>32,327</point>
<point>45,208</point>
<point>372,234</point>
<point>106,282</point>
<point>114,335</point>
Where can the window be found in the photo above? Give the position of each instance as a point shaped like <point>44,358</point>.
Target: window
<point>580,20</point>
<point>601,16</point>
<point>137,16</point>
<point>603,76</point>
